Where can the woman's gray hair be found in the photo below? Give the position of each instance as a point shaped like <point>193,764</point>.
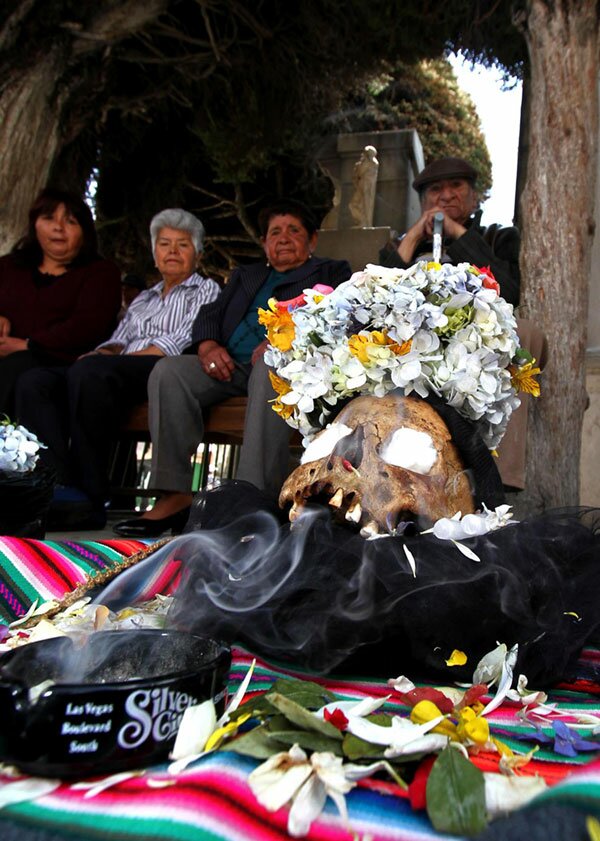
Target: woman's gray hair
<point>180,220</point>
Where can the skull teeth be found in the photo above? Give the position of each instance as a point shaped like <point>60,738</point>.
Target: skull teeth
<point>369,529</point>
<point>337,499</point>
<point>295,511</point>
<point>354,514</point>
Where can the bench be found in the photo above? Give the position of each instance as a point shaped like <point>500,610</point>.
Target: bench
<point>223,422</point>
<point>216,457</point>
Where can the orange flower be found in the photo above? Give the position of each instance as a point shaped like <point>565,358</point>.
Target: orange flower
<point>281,330</point>
<point>280,387</point>
<point>365,347</point>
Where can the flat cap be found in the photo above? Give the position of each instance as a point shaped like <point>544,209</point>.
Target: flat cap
<point>444,168</point>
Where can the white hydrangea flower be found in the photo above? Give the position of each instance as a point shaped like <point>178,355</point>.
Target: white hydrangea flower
<point>462,340</point>
<point>19,448</point>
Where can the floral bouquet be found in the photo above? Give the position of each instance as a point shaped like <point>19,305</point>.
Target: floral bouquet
<point>431,328</point>
<point>25,487</point>
<point>19,448</point>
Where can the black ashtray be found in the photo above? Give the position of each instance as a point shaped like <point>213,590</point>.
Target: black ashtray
<point>111,704</point>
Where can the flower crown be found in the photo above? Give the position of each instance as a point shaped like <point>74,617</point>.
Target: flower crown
<point>431,328</point>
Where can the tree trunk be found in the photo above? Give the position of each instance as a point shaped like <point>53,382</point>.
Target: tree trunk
<point>29,115</point>
<point>558,214</point>
<point>39,83</point>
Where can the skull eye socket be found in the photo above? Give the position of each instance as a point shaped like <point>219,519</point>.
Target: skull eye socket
<point>411,449</point>
<point>324,443</point>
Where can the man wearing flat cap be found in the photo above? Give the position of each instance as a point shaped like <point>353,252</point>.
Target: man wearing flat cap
<point>448,185</point>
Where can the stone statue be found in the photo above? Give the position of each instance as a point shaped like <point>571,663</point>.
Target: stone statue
<point>362,203</point>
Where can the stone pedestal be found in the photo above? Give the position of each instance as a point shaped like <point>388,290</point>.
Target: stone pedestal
<point>358,246</point>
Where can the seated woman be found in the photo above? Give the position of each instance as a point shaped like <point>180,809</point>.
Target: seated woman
<point>226,359</point>
<point>77,411</point>
<point>58,297</point>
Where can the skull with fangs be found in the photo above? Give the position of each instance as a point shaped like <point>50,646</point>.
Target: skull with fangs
<point>384,461</point>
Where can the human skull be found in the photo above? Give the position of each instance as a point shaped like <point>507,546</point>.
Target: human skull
<point>384,461</point>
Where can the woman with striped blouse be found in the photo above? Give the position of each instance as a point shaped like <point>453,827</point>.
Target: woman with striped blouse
<point>77,411</point>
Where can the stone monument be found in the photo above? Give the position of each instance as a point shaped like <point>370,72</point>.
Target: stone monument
<point>372,175</point>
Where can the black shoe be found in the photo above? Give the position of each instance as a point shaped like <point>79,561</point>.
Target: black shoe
<point>142,527</point>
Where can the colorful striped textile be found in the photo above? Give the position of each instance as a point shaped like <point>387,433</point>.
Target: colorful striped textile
<point>211,800</point>
<point>46,569</point>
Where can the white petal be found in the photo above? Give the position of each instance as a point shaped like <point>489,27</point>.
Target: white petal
<point>505,794</point>
<point>489,668</point>
<point>401,684</point>
<point>97,787</point>
<point>197,725</point>
<point>466,551</point>
<point>425,744</point>
<point>308,805</point>
<point>238,697</point>
<point>505,680</point>
<point>274,788</point>
<point>411,559</point>
<point>28,788</point>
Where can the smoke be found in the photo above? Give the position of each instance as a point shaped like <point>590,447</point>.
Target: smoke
<point>320,596</point>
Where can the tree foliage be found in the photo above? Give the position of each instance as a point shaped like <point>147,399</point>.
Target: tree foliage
<point>424,96</point>
<point>214,104</point>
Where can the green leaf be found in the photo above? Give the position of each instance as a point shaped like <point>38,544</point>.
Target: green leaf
<point>255,743</point>
<point>309,695</point>
<point>355,748</point>
<point>301,717</point>
<point>258,707</point>
<point>456,795</point>
<point>307,740</point>
<point>306,693</point>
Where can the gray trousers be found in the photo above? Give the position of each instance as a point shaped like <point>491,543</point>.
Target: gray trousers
<point>178,390</point>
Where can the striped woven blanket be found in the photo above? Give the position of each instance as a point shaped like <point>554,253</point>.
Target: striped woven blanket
<point>211,800</point>
<point>43,570</point>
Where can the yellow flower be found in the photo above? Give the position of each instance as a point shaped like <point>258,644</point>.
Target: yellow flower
<point>280,326</point>
<point>502,748</point>
<point>593,827</point>
<point>280,387</point>
<point>472,728</point>
<point>221,733</point>
<point>426,711</point>
<point>522,378</point>
<point>366,347</point>
<point>457,658</point>
<point>433,265</point>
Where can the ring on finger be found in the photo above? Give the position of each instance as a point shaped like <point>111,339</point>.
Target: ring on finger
<point>211,366</point>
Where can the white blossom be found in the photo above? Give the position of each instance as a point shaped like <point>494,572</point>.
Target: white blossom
<point>462,339</point>
<point>19,448</point>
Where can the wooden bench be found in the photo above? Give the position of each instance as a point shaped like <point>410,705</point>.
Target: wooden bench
<point>223,422</point>
<point>217,455</point>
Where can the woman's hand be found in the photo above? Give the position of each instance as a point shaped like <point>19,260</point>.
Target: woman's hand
<point>4,327</point>
<point>215,360</point>
<point>10,344</point>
